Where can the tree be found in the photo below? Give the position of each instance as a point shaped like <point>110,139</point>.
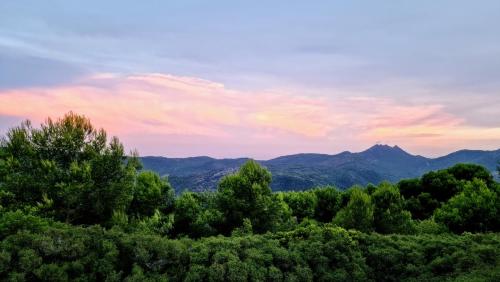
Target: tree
<point>419,203</point>
<point>422,206</point>
<point>196,215</point>
<point>441,185</point>
<point>475,209</point>
<point>151,193</point>
<point>328,203</point>
<point>246,194</point>
<point>358,214</point>
<point>389,214</point>
<point>423,196</point>
<point>410,187</point>
<point>69,168</point>
<point>469,172</point>
<point>302,204</point>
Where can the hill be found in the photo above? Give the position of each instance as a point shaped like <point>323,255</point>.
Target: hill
<point>303,171</point>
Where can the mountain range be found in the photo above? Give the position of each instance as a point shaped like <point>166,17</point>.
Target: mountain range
<point>304,171</point>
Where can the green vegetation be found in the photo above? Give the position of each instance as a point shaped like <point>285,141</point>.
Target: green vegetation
<point>74,207</point>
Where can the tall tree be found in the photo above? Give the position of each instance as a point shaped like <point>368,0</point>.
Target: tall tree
<point>151,193</point>
<point>69,168</point>
<point>389,213</point>
<point>328,203</point>
<point>246,194</point>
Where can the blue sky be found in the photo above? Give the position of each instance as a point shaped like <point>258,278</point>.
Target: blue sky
<point>443,56</point>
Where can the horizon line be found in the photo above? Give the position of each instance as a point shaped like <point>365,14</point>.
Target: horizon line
<point>325,154</point>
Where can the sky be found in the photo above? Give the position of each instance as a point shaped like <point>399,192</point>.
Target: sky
<point>258,78</point>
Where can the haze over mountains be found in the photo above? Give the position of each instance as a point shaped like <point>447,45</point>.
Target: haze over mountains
<point>304,171</point>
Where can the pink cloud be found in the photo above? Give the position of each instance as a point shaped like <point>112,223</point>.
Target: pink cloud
<point>172,115</point>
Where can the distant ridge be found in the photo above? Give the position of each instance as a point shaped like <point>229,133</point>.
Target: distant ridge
<point>304,171</point>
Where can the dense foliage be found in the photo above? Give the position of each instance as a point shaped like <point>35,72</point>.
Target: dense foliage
<point>73,206</point>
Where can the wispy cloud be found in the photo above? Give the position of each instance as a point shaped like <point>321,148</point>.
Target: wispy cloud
<point>187,111</point>
<point>166,104</point>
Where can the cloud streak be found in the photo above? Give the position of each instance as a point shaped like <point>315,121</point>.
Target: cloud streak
<point>179,116</point>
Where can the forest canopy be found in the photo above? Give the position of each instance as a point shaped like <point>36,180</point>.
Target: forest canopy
<point>75,206</point>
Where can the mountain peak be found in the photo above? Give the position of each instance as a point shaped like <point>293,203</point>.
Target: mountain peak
<point>385,149</point>
<point>302,171</point>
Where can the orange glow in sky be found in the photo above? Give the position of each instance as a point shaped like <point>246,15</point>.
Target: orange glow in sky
<point>162,114</point>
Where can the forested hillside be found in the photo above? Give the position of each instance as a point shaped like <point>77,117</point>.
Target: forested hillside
<point>305,171</point>
<point>75,207</point>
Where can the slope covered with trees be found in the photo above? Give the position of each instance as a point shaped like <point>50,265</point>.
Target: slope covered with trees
<point>74,207</point>
<point>304,171</point>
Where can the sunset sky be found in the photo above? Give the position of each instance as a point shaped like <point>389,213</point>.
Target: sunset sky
<point>258,78</point>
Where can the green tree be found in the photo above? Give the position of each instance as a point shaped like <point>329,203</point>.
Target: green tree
<point>69,167</point>
<point>358,214</point>
<point>410,187</point>
<point>196,215</point>
<point>423,196</point>
<point>419,203</point>
<point>389,214</point>
<point>151,193</point>
<point>469,172</point>
<point>441,185</point>
<point>302,204</point>
<point>328,203</point>
<point>475,209</point>
<point>246,194</point>
<point>423,206</point>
